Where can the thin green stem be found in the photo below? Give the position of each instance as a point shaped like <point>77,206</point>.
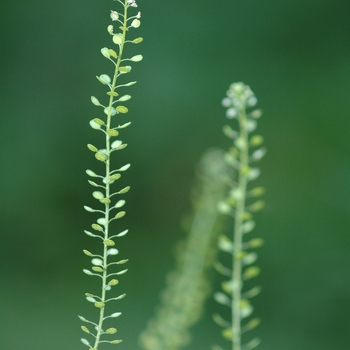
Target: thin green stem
<point>238,99</point>
<point>237,234</point>
<point>107,181</point>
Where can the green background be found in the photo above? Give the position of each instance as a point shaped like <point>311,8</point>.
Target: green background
<point>296,57</point>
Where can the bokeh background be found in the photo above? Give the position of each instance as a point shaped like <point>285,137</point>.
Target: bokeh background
<point>296,57</point>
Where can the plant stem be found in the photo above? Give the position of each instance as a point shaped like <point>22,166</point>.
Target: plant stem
<point>237,234</point>
<point>107,184</point>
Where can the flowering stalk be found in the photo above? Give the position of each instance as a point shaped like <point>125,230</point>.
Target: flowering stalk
<point>240,158</point>
<point>102,267</point>
<point>188,286</point>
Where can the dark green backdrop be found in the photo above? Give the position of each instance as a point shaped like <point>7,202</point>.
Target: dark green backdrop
<point>296,57</point>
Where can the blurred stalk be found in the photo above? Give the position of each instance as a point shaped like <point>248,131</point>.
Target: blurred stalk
<point>188,286</point>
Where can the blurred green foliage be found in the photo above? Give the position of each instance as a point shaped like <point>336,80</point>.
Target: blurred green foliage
<point>296,57</point>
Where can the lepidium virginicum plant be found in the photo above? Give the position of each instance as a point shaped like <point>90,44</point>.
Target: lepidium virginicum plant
<point>108,194</point>
<point>240,203</point>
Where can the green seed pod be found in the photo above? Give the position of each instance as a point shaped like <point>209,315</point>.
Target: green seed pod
<point>136,58</point>
<point>124,167</point>
<point>109,111</point>
<point>105,51</point>
<point>220,321</point>
<point>256,243</point>
<point>222,298</point>
<point>121,109</point>
<point>121,262</point>
<point>124,125</point>
<point>85,342</point>
<point>122,296</point>
<point>90,173</point>
<point>111,330</point>
<point>95,101</point>
<point>97,227</point>
<point>112,132</point>
<point>120,203</point>
<point>105,200</point>
<point>89,209</point>
<point>246,310</point>
<point>109,242</point>
<point>120,215</point>
<point>97,262</point>
<point>99,304</point>
<point>110,29</point>
<point>95,125</point>
<point>115,177</point>
<point>225,244</point>
<point>97,269</point>
<point>228,286</point>
<point>258,154</point>
<point>117,39</point>
<point>251,324</point>
<point>224,207</point>
<point>256,140</point>
<point>252,292</point>
<point>92,148</point>
<point>227,333</point>
<point>116,341</point>
<point>112,251</point>
<point>113,53</point>
<point>124,190</point>
<point>251,272</point>
<point>99,121</point>
<point>256,114</point>
<point>101,156</point>
<point>125,69</point>
<point>229,132</point>
<point>131,83</point>
<point>248,226</point>
<point>115,144</point>
<point>124,98</point>
<point>137,40</point>
<point>257,191</point>
<point>135,23</point>
<point>112,93</point>
<point>257,206</point>
<point>86,252</point>
<point>104,79</point>
<point>123,233</point>
<point>97,194</point>
<point>85,329</point>
<point>114,15</point>
<point>250,258</point>
<point>113,282</point>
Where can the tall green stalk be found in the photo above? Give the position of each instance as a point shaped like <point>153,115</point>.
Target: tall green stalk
<point>188,286</point>
<point>102,267</point>
<point>240,157</point>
